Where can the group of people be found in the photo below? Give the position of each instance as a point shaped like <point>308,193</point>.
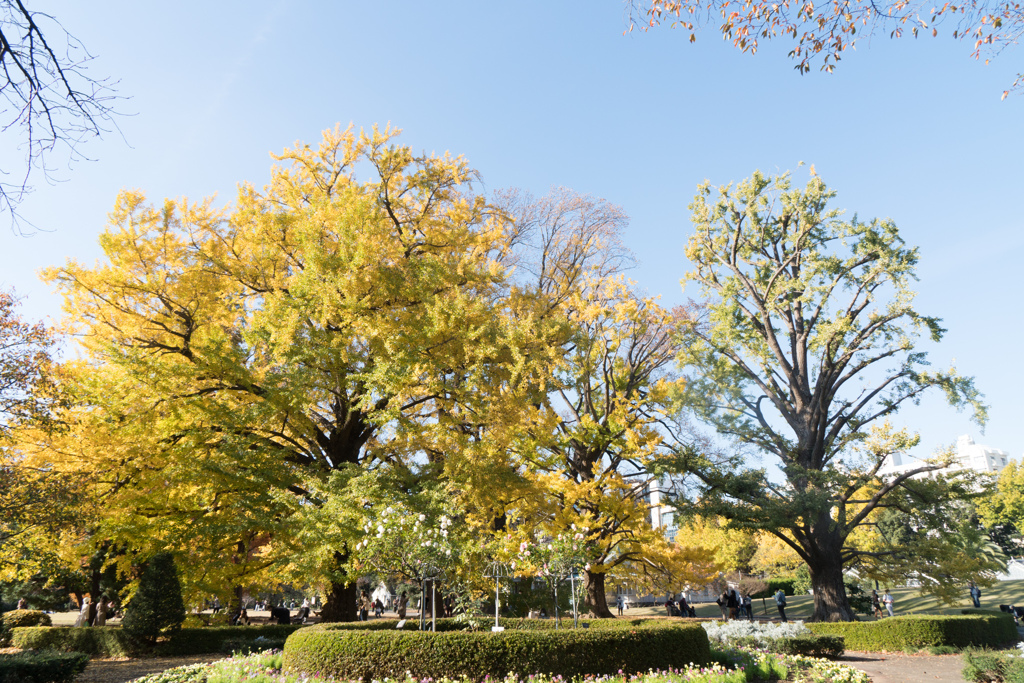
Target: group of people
<point>878,603</point>
<point>86,615</point>
<point>734,605</point>
<point>364,604</point>
<point>680,608</point>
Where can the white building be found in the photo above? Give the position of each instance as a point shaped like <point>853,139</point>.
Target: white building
<point>969,456</point>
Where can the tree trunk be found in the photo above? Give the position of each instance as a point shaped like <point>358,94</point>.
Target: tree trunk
<point>830,601</point>
<point>595,595</point>
<point>341,603</point>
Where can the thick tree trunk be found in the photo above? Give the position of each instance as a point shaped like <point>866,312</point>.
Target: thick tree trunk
<point>595,595</point>
<point>341,603</point>
<point>830,601</point>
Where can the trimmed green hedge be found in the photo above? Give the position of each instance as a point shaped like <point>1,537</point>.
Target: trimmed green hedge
<point>509,624</point>
<point>41,667</point>
<point>111,641</point>
<point>900,633</point>
<point>330,650</point>
<point>108,641</point>
<point>827,647</point>
<point>21,617</point>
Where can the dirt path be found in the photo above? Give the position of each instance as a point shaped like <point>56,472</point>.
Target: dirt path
<point>897,667</point>
<point>123,670</point>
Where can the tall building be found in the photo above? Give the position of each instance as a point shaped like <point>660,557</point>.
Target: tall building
<point>969,456</point>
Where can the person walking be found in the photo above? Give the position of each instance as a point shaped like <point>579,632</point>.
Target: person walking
<point>403,603</point>
<point>887,601</point>
<point>780,602</point>
<point>876,605</point>
<point>976,594</point>
<point>22,604</point>
<point>748,607</point>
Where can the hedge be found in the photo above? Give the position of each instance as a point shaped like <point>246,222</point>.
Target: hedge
<point>41,667</point>
<point>900,633</point>
<point>21,617</point>
<point>508,623</point>
<point>348,654</point>
<point>827,647</point>
<point>111,641</point>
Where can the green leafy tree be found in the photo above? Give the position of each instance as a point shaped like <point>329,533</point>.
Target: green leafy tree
<point>156,608</point>
<point>1002,511</point>
<point>805,340</point>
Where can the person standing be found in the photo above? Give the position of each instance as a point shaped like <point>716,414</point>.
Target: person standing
<point>101,611</point>
<point>887,601</point>
<point>22,604</point>
<point>83,614</point>
<point>403,603</point>
<point>976,594</point>
<point>618,603</point>
<point>780,602</point>
<point>733,601</point>
<point>364,607</point>
<point>748,607</point>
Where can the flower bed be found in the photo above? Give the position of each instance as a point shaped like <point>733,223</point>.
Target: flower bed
<point>110,641</point>
<point>731,666</point>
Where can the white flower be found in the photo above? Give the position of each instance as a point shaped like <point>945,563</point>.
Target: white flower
<point>422,517</point>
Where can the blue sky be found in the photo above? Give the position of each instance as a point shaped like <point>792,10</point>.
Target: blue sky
<point>536,94</point>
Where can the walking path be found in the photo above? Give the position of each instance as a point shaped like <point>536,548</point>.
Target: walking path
<point>896,667</point>
<point>123,670</point>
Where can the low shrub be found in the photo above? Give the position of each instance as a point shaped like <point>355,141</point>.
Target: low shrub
<point>915,632</point>
<point>42,667</point>
<point>344,653</point>
<point>198,641</point>
<point>508,623</point>
<point>110,641</point>
<point>822,647</point>
<point>988,665</point>
<point>106,641</point>
<point>728,632</point>
<point>20,617</point>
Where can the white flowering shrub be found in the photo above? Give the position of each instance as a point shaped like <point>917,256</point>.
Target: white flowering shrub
<point>400,541</point>
<point>726,631</point>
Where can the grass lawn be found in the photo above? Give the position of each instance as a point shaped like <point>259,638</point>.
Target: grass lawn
<point>908,601</point>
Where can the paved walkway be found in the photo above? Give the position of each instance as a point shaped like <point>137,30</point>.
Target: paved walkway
<point>903,668</point>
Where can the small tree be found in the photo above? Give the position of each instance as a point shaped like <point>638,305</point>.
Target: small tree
<point>156,608</point>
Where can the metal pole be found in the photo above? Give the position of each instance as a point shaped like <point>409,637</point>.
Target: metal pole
<point>423,603</point>
<point>433,605</point>
<point>496,603</point>
<point>556,603</point>
<point>575,611</point>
